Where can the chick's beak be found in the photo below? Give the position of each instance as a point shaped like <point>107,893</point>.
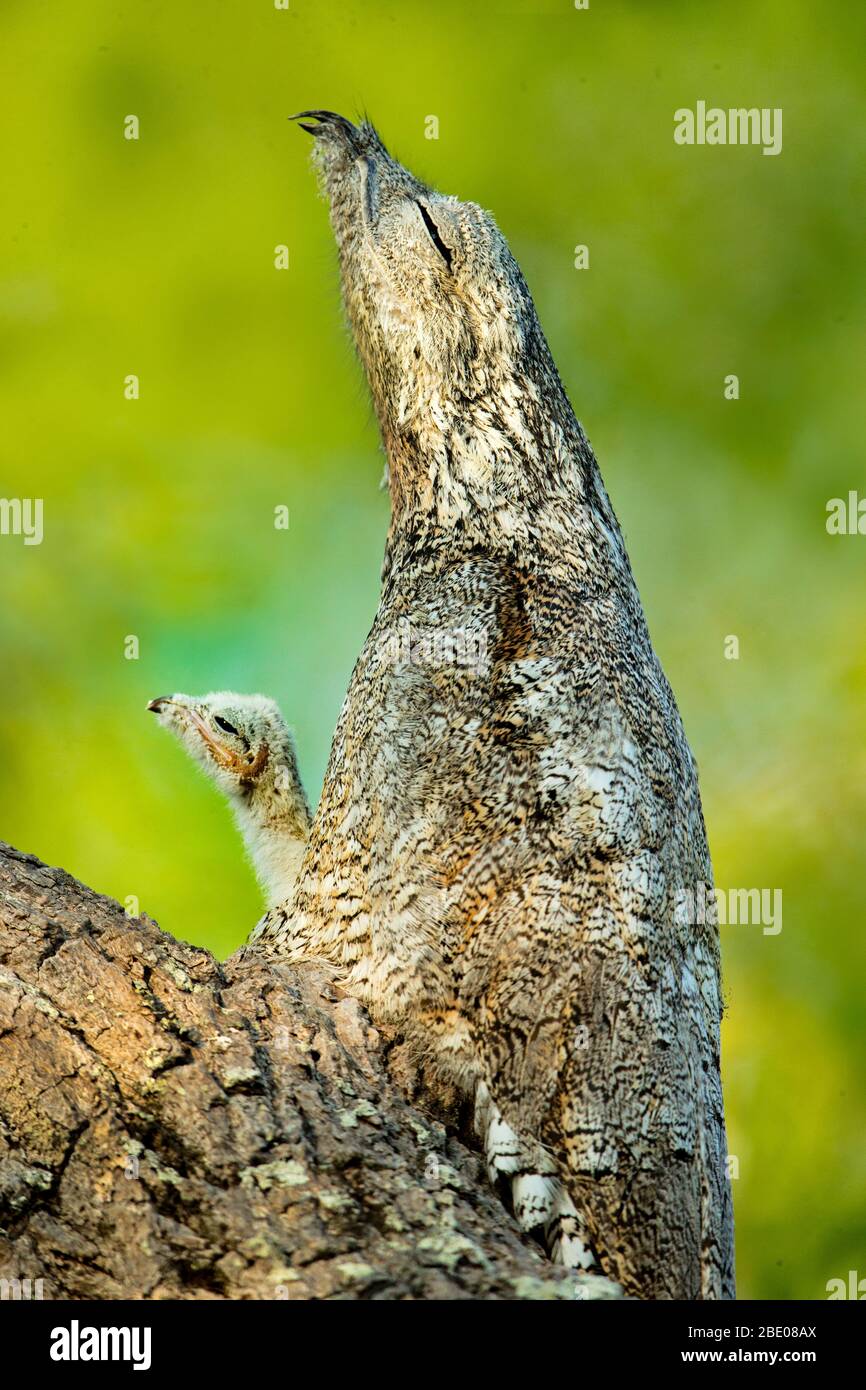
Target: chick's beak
<point>156,706</point>
<point>185,718</point>
<point>221,753</point>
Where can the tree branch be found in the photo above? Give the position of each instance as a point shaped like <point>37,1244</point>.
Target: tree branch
<point>175,1128</point>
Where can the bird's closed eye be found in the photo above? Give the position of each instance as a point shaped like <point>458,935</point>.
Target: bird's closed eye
<point>224,725</point>
<point>436,239</point>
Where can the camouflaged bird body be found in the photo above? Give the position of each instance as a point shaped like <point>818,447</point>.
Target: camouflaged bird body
<point>509,812</point>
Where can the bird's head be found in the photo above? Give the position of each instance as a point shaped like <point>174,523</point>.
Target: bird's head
<point>242,741</point>
<point>441,315</point>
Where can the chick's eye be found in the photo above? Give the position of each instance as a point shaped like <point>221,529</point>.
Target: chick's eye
<point>436,239</point>
<point>224,725</point>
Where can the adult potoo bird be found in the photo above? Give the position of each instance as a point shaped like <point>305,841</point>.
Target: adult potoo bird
<point>511,811</point>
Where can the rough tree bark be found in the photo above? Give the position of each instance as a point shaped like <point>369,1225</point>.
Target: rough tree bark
<point>171,1127</point>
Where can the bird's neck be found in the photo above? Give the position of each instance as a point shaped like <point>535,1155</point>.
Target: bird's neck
<point>507,472</point>
<point>275,836</point>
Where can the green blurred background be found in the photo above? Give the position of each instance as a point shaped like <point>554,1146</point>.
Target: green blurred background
<point>156,257</point>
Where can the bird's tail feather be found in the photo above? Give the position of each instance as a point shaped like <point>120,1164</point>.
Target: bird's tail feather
<point>529,1178</point>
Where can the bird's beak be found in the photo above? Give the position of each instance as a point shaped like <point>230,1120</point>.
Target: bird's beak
<point>185,716</point>
<point>343,149</point>
<point>156,706</point>
<point>206,734</point>
<point>328,123</point>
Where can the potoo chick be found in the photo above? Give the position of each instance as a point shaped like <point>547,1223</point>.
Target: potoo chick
<point>245,747</point>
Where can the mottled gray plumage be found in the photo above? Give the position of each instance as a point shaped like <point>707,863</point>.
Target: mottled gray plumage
<point>511,806</point>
